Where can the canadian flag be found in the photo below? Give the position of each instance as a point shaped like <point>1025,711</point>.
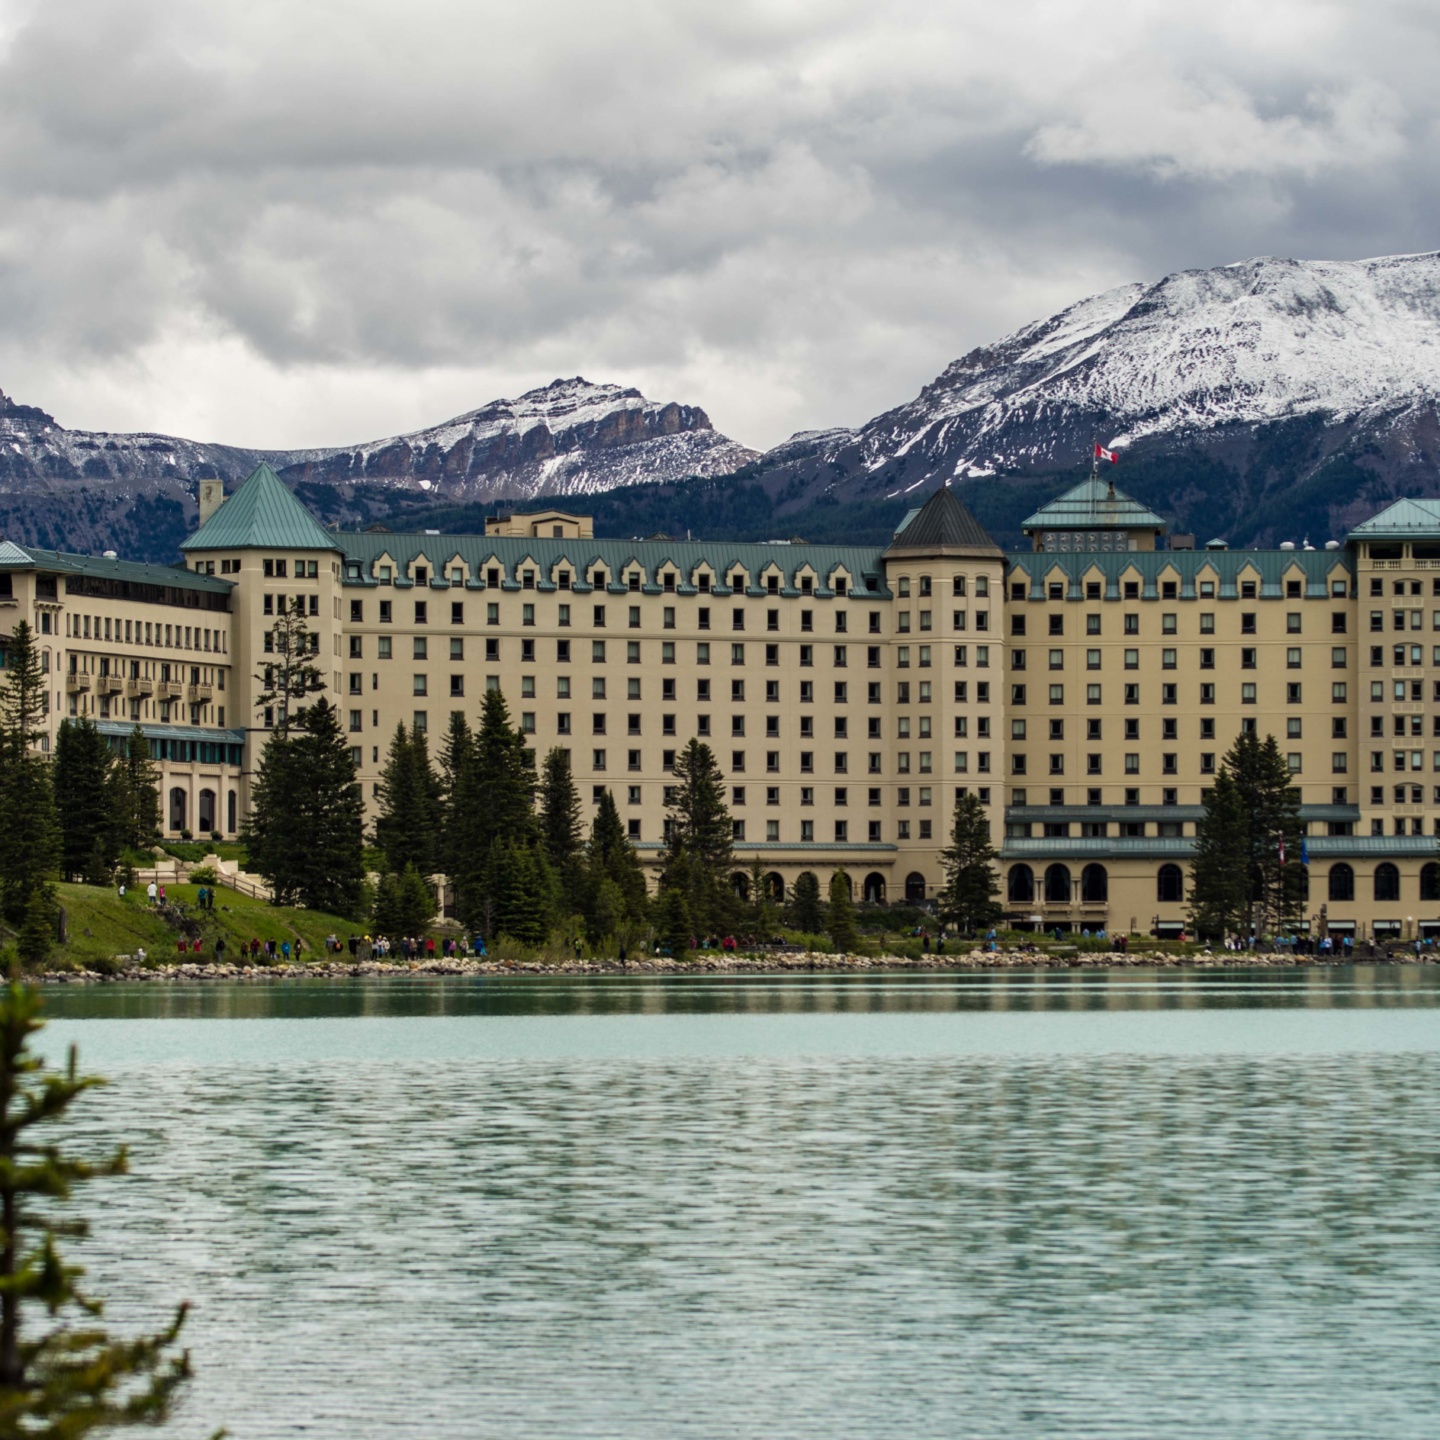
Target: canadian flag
<point>1101,453</point>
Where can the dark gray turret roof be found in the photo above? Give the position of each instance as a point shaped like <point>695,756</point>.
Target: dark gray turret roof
<point>943,525</point>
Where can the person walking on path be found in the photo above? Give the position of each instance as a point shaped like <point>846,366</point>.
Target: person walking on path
<point>151,890</point>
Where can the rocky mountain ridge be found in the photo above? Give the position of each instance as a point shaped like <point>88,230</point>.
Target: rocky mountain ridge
<point>89,490</point>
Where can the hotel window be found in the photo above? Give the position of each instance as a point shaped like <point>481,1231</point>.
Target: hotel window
<point>634,615</point>
<point>597,688</point>
<point>1338,658</point>
<point>1092,695</point>
<point>597,759</point>
<point>1247,694</point>
<point>597,651</point>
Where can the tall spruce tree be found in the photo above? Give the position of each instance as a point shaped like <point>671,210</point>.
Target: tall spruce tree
<point>560,828</point>
<point>29,826</point>
<point>70,1378</point>
<point>404,905</point>
<point>840,919</point>
<point>306,814</point>
<point>615,898</point>
<point>698,850</point>
<point>456,754</point>
<point>408,825</point>
<point>290,675</point>
<point>136,792</point>
<point>88,793</point>
<point>1247,872</point>
<point>329,811</point>
<point>806,911</point>
<point>493,800</point>
<point>971,897</point>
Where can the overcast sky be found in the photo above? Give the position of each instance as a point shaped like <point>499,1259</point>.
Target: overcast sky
<point>296,222</point>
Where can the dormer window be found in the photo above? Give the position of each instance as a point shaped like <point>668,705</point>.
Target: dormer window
<point>633,579</point>
<point>383,574</point>
<point>422,574</point>
<point>457,576</point>
<point>597,579</point>
<point>669,582</point>
<point>563,579</point>
<point>841,585</point>
<point>527,579</point>
<point>772,584</point>
<point>704,584</point>
<point>492,577</point>
<point>807,584</point>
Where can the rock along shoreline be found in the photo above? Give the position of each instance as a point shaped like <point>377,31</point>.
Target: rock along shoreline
<point>707,964</point>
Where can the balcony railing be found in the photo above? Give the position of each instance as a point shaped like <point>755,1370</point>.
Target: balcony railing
<point>77,682</point>
<point>198,693</point>
<point>109,684</point>
<point>169,689</point>
<point>137,688</point>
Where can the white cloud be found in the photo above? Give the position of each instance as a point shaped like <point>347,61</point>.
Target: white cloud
<point>278,224</point>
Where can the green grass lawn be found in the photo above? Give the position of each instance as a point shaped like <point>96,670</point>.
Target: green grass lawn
<point>102,925</point>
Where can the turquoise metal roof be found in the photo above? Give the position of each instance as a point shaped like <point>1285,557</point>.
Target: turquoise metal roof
<point>134,572</point>
<point>1319,847</point>
<point>261,515</point>
<point>172,732</point>
<point>617,558</point>
<point>1094,504</point>
<point>1187,567</point>
<point>1405,519</point>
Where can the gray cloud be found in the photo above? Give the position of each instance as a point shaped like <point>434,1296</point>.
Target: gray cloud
<point>281,224</point>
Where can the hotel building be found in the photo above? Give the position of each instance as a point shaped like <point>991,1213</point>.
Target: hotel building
<point>1085,688</point>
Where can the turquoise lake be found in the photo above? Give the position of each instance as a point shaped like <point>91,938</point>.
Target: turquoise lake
<point>1143,1204</point>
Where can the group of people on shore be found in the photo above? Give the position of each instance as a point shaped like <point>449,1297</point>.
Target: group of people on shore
<point>408,948</point>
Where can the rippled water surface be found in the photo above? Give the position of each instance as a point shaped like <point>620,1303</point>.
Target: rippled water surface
<point>1169,1205</point>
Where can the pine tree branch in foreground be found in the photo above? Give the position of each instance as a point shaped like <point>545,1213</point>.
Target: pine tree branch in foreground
<point>73,1378</point>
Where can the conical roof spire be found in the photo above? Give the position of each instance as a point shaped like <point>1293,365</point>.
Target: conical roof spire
<point>261,515</point>
<point>943,526</point>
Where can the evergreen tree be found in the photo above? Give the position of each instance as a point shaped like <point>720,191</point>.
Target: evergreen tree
<point>493,800</point>
<point>560,828</point>
<point>615,891</point>
<point>699,847</point>
<point>24,702</point>
<point>274,844</point>
<point>970,899</point>
<point>86,789</point>
<point>290,674</point>
<point>306,814</point>
<point>456,756</point>
<point>515,887</point>
<point>404,904</point>
<point>37,928</point>
<point>840,922</point>
<point>72,1379</point>
<point>407,828</point>
<point>329,811</point>
<point>672,922</point>
<point>763,911</point>
<point>806,913</point>
<point>29,827</point>
<point>136,793</point>
<point>1247,872</point>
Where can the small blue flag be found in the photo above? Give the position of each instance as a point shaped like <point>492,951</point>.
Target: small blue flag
<point>1304,852</point>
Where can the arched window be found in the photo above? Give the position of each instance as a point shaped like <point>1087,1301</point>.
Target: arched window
<point>1094,885</point>
<point>1430,881</point>
<point>231,809</point>
<point>775,886</point>
<point>740,884</point>
<point>1342,882</point>
<point>205,811</point>
<point>1021,885</point>
<point>914,886</point>
<point>1057,885</point>
<point>1170,884</point>
<point>178,799</point>
<point>1387,882</point>
<point>874,888</point>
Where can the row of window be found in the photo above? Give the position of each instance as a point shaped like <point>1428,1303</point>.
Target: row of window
<point>1170,623</point>
<point>114,631</point>
<point>670,581</point>
<point>1058,886</point>
<point>1170,590</point>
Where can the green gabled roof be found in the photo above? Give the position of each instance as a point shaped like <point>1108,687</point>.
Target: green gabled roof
<point>261,515</point>
<point>134,572</point>
<point>688,556</point>
<point>1405,519</point>
<point>1093,504</point>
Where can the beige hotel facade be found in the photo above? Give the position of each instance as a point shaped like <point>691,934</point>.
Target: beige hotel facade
<point>1085,688</point>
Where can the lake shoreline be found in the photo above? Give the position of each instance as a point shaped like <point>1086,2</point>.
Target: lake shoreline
<point>978,962</point>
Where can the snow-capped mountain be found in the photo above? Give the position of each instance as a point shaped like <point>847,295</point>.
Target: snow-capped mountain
<point>1278,373</point>
<point>85,490</point>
